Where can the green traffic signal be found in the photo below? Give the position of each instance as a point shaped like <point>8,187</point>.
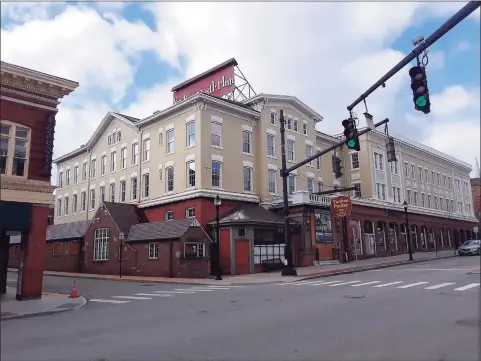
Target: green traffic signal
<point>421,101</point>
<point>351,143</point>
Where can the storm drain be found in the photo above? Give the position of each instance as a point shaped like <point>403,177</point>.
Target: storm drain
<point>67,305</point>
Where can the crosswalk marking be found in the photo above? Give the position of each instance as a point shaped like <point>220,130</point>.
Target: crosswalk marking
<point>153,294</point>
<point>366,283</point>
<point>133,297</point>
<point>324,283</point>
<point>176,292</point>
<point>389,284</point>
<point>308,283</point>
<point>413,285</point>
<point>107,301</point>
<point>222,286</point>
<point>467,287</point>
<point>207,288</point>
<point>344,283</point>
<point>196,290</point>
<point>435,287</point>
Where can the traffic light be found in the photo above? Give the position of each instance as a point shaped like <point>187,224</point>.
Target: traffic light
<point>350,131</point>
<point>336,166</point>
<point>419,86</point>
<point>391,152</point>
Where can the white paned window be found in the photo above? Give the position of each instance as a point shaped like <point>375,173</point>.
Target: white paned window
<point>75,175</point>
<point>13,149</point>
<point>93,168</point>
<point>66,205</point>
<point>133,188</point>
<point>102,193</point>
<point>92,199</point>
<point>103,164</point>
<point>190,174</point>
<point>135,153</point>
<point>426,175</point>
<point>396,193</point>
<point>296,125</point>
<point>357,191</point>
<point>423,200</point>
<point>190,134</point>
<point>291,150</point>
<point>170,146</point>
<point>408,196</point>
<point>271,145</point>
<point>430,204</point>
<point>248,179</point>
<point>406,169</point>
<point>122,191</point>
<point>216,134</point>
<point>246,142</point>
<point>84,172</point>
<point>60,180</point>
<point>292,183</point>
<point>190,213</point>
<point>216,173</point>
<point>354,161</point>
<point>146,185</point>
<point>272,180</point>
<point>146,150</point>
<point>169,215</point>
<point>413,171</point>
<point>309,152</point>
<point>378,161</point>
<point>169,181</point>
<point>273,118</point>
<point>67,177</point>
<point>112,192</point>
<point>83,201</point>
<point>304,128</point>
<point>74,203</point>
<point>310,185</point>
<point>113,161</point>
<point>153,250</point>
<point>381,191</point>
<point>415,199</point>
<point>320,186</point>
<point>59,207</point>
<point>394,167</point>
<point>123,158</point>
<point>101,244</point>
<point>420,171</point>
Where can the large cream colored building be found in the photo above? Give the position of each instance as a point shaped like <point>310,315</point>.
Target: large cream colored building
<point>197,148</point>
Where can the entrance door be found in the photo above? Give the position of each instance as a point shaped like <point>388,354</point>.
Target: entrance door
<point>242,257</point>
<point>370,244</point>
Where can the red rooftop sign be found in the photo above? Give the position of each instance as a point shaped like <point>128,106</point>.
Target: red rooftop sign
<point>217,81</point>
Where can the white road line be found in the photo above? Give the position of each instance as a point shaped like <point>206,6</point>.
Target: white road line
<point>230,286</point>
<point>307,283</point>
<point>365,284</point>
<point>324,283</point>
<point>413,285</point>
<point>467,287</point>
<point>344,283</point>
<point>153,294</point>
<point>422,269</point>
<point>212,289</point>
<point>197,290</point>
<point>435,287</point>
<point>389,284</point>
<point>176,292</point>
<point>107,301</point>
<point>133,297</point>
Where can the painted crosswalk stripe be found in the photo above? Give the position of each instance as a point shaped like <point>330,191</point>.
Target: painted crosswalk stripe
<point>413,285</point>
<point>196,290</point>
<point>107,301</point>
<point>389,284</point>
<point>307,283</point>
<point>176,292</point>
<point>153,295</point>
<point>467,287</point>
<point>212,289</point>
<point>133,297</point>
<point>230,286</point>
<point>366,283</point>
<point>435,287</point>
<point>344,283</point>
<point>324,283</point>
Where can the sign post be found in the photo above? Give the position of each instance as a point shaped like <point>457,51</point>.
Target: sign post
<point>121,239</point>
<point>341,208</point>
<point>476,230</point>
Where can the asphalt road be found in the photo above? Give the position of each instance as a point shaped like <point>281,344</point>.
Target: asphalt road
<point>425,311</point>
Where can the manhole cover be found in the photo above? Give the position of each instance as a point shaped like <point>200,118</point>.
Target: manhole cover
<point>354,296</point>
<point>469,322</point>
<point>67,305</point>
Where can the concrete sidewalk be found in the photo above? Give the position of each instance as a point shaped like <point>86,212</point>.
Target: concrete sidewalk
<point>258,278</point>
<point>48,304</point>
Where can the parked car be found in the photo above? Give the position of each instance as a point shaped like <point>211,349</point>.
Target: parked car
<point>471,247</point>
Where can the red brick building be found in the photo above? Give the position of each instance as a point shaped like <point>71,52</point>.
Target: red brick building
<point>29,101</point>
<point>476,190</point>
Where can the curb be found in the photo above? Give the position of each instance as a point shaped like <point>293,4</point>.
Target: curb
<point>369,268</point>
<point>6,318</point>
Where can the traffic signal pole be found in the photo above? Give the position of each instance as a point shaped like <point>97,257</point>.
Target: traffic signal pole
<point>438,34</point>
<point>289,270</point>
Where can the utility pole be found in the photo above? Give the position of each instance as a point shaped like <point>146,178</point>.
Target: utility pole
<point>438,34</point>
<point>289,270</point>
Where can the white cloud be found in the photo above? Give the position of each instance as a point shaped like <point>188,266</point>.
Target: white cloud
<point>454,100</point>
<point>464,46</point>
<point>326,54</point>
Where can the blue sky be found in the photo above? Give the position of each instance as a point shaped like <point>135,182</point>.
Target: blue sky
<point>140,50</point>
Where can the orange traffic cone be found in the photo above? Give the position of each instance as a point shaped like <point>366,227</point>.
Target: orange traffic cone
<point>74,292</point>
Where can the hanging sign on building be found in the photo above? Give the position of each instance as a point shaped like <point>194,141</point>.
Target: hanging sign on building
<point>341,206</point>
<point>217,81</point>
<point>323,226</point>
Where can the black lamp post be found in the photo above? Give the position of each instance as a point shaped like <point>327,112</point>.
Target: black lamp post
<point>217,203</point>
<point>405,204</point>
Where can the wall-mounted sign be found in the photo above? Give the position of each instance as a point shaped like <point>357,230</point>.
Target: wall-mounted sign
<point>218,81</point>
<point>323,226</point>
<point>341,207</point>
<point>49,138</point>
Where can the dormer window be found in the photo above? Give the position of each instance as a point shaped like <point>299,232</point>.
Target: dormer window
<point>14,148</point>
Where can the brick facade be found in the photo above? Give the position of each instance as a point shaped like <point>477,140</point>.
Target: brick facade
<point>63,256</point>
<point>476,192</point>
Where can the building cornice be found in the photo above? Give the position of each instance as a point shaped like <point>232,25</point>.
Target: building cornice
<point>199,193</point>
<point>260,98</point>
<point>34,97</point>
<point>30,104</point>
<point>25,185</point>
<point>33,80</point>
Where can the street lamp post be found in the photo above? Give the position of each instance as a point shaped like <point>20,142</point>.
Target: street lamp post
<point>405,204</point>
<point>217,203</point>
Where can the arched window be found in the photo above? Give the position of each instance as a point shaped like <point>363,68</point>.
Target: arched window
<point>381,236</point>
<point>393,235</point>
